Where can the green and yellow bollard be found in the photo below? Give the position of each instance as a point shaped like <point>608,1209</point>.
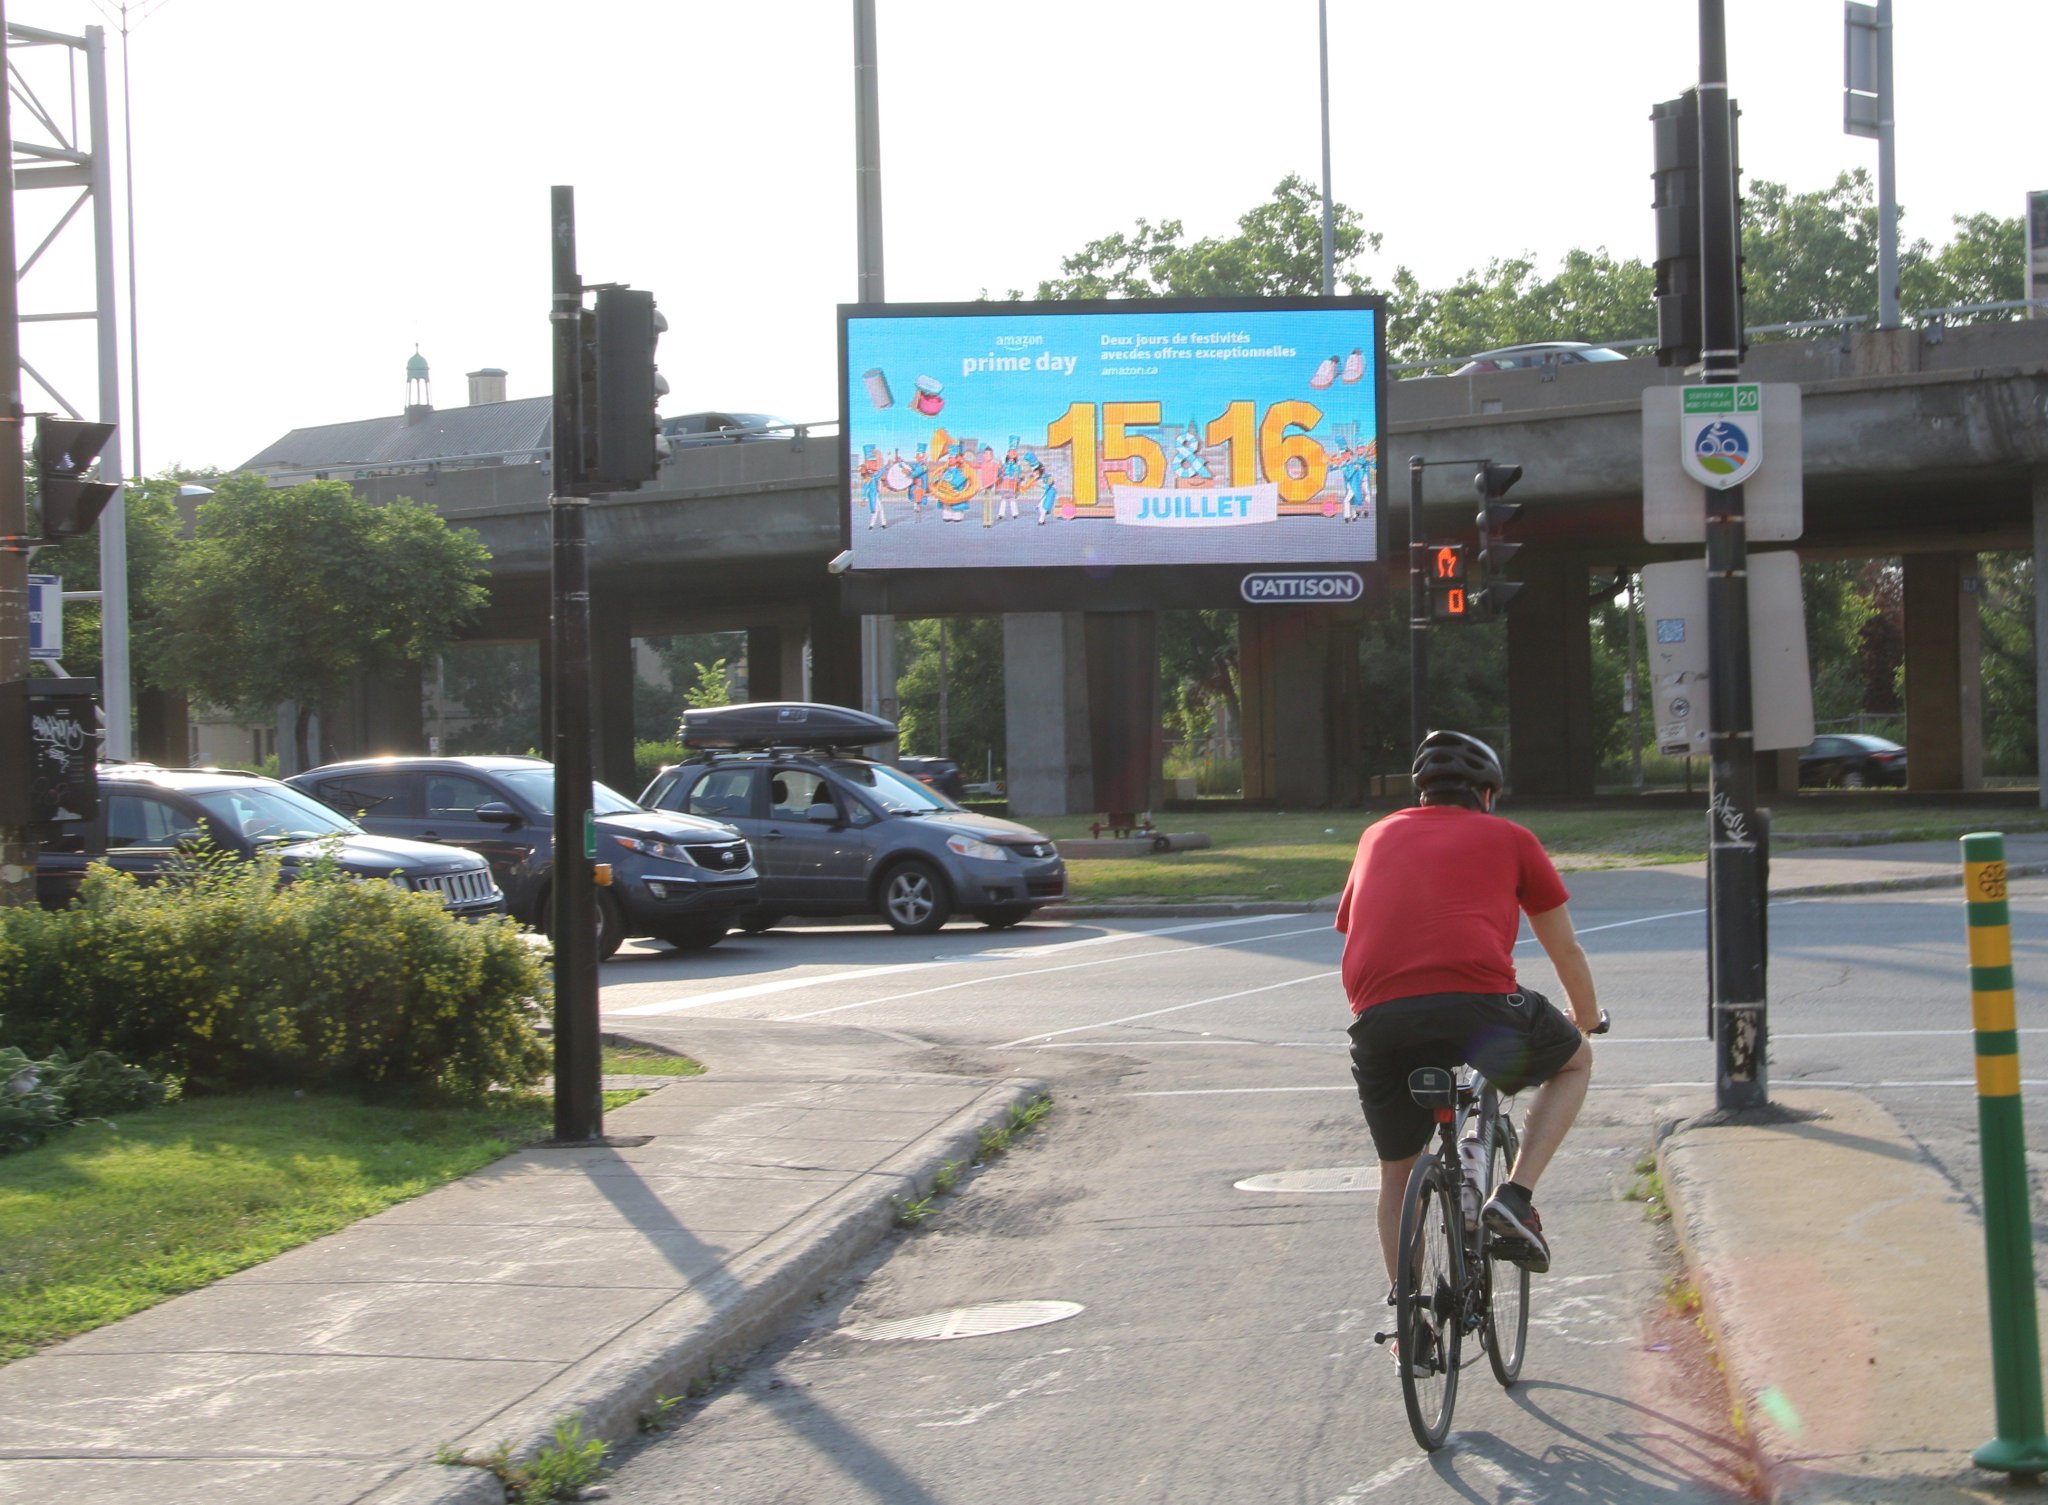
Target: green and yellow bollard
<point>2020,1446</point>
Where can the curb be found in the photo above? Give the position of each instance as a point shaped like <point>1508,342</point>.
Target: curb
<point>697,1330</point>
<point>1893,885</point>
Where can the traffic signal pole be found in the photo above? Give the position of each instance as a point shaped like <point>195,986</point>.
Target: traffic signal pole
<point>17,849</point>
<point>1735,851</point>
<point>579,1100</point>
<point>1418,609</point>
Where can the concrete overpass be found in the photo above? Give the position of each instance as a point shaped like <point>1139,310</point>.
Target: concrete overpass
<point>1930,444</point>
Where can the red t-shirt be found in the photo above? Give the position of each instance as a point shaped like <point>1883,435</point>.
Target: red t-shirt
<point>1434,901</point>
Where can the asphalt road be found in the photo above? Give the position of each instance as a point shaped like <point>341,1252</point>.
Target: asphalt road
<point>1222,1350</point>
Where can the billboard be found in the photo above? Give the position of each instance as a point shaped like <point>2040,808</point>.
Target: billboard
<point>1045,456</point>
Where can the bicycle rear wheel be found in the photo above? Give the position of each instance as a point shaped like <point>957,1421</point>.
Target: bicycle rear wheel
<point>1426,1302</point>
<point>1507,1284</point>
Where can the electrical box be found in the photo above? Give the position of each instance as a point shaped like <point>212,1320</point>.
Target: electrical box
<point>49,728</point>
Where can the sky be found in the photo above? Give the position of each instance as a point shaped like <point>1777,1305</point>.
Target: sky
<point>319,189</point>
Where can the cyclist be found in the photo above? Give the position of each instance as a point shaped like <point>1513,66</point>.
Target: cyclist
<point>1429,917</point>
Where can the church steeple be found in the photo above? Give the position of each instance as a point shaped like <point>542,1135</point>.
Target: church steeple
<point>417,402</point>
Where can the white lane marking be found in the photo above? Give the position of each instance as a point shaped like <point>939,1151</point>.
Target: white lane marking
<point>1392,1474</point>
<point>1782,1082</point>
<point>860,974</point>
<point>1292,982</point>
<point>982,980</point>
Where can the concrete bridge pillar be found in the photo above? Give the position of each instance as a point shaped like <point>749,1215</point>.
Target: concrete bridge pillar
<point>2040,500</point>
<point>1550,682</point>
<point>835,656</point>
<point>1298,684</point>
<point>1944,695</point>
<point>1045,704</point>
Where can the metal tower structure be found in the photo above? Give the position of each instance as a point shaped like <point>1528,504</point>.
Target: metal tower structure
<point>52,151</point>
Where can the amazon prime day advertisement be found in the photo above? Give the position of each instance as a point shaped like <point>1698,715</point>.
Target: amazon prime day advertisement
<point>1104,435</point>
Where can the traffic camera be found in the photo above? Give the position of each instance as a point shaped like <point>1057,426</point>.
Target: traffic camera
<point>65,449</point>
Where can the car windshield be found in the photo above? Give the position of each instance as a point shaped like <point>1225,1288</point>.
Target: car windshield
<point>537,787</point>
<point>893,790</point>
<point>760,421</point>
<point>271,813</point>
<point>1869,743</point>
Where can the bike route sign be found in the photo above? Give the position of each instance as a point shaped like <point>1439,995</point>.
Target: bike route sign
<point>1721,433</point>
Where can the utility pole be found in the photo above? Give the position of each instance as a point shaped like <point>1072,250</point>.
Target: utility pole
<point>1735,877</point>
<point>17,846</point>
<point>579,1101</point>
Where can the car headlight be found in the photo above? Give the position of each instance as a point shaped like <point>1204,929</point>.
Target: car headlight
<point>967,846</point>
<point>668,851</point>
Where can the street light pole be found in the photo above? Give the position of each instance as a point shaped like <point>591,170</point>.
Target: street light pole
<point>17,850</point>
<point>1735,879</point>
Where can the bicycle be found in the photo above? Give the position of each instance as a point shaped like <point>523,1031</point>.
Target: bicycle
<point>1451,1283</point>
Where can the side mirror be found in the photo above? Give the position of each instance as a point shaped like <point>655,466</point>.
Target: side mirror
<point>498,813</point>
<point>823,815</point>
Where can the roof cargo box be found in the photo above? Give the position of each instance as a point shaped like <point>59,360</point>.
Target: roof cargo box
<point>771,723</point>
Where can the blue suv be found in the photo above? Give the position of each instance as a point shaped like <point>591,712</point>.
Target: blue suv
<point>675,877</point>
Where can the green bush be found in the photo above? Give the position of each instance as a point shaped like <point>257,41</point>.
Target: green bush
<point>649,758</point>
<point>39,1097</point>
<point>225,979</point>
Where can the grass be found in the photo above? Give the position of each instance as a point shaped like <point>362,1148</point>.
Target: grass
<point>1296,857</point>
<point>108,1219</point>
<point>645,1060</point>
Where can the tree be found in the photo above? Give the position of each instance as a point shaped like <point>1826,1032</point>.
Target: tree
<point>1592,297</point>
<point>154,529</point>
<point>291,594</point>
<point>970,683</point>
<point>1277,251</point>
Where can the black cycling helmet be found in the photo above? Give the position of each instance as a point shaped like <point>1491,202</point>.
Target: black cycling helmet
<point>1454,760</point>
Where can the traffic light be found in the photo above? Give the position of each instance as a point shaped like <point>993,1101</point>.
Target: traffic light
<point>66,448</point>
<point>1448,599</point>
<point>1495,591</point>
<point>621,426</point>
<point>1675,196</point>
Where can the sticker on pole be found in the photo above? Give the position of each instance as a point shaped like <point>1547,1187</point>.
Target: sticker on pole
<point>1720,434</point>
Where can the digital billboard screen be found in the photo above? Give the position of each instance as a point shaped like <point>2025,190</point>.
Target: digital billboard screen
<point>1015,456</point>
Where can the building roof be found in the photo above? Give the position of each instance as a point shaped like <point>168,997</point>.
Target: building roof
<point>514,432</point>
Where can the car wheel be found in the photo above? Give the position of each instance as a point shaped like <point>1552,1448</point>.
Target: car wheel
<point>1852,778</point>
<point>1003,916</point>
<point>611,929</point>
<point>758,920</point>
<point>694,935</point>
<point>914,899</point>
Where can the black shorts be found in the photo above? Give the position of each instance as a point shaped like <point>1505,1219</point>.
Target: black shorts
<point>1515,1040</point>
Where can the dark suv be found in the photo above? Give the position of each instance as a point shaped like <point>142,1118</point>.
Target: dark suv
<point>674,877</point>
<point>152,819</point>
<point>837,834</point>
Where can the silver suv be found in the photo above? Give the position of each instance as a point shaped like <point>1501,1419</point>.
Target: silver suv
<point>835,834</point>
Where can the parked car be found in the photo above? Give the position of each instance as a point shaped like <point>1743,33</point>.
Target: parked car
<point>942,774</point>
<point>674,877</point>
<point>838,834</point>
<point>1525,357</point>
<point>1853,760</point>
<point>153,819</point>
<point>687,430</point>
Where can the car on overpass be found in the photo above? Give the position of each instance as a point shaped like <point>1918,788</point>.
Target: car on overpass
<point>838,834</point>
<point>1530,357</point>
<point>687,430</point>
<point>678,878</point>
<point>153,822</point>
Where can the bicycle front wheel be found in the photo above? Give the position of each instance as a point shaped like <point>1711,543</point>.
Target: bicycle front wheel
<point>1426,1302</point>
<point>1507,1284</point>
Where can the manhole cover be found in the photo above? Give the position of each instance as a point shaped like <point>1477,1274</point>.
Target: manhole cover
<point>1332,1178</point>
<point>969,1321</point>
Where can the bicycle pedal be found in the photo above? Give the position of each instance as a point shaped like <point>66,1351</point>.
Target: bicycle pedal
<point>1384,1337</point>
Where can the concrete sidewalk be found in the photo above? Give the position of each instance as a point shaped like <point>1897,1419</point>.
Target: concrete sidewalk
<point>584,1283</point>
<point>1840,1276</point>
